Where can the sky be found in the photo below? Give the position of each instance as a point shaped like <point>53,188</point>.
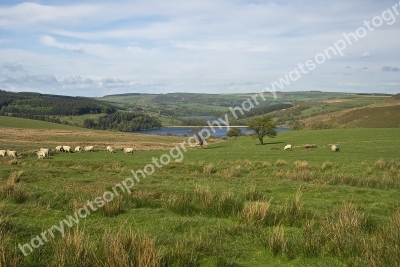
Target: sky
<point>95,48</point>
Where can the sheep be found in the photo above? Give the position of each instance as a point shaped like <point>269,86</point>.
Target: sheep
<point>128,150</point>
<point>77,149</point>
<point>335,148</point>
<point>88,148</point>
<point>110,149</point>
<point>288,147</point>
<point>11,154</point>
<point>3,153</point>
<point>59,148</point>
<point>46,151</point>
<point>66,149</point>
<point>41,154</point>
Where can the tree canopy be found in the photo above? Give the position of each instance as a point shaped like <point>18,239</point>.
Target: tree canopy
<point>262,126</point>
<point>234,132</point>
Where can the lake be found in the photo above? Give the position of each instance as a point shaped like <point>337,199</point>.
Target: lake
<point>186,130</point>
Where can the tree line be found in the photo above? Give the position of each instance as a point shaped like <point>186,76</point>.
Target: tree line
<point>29,104</point>
<point>124,122</point>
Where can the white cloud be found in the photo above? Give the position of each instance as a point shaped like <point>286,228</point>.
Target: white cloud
<point>366,54</point>
<point>204,46</point>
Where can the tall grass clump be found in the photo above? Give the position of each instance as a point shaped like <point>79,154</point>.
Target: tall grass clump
<point>255,213</point>
<point>228,204</point>
<point>126,248</point>
<point>345,231</point>
<point>181,204</point>
<point>301,165</point>
<point>216,203</point>
<point>296,175</point>
<point>326,165</point>
<point>290,211</point>
<point>204,196</point>
<point>380,164</point>
<point>253,194</point>
<point>14,189</point>
<point>232,172</point>
<point>311,241</point>
<point>74,249</point>
<point>208,169</point>
<point>8,257</point>
<point>181,255</point>
<point>277,241</point>
<point>281,162</point>
<point>383,248</point>
<point>112,208</point>
<point>146,199</point>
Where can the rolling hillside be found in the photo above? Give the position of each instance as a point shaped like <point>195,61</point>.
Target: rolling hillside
<point>385,114</point>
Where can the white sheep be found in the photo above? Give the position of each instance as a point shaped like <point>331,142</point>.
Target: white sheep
<point>335,148</point>
<point>88,148</point>
<point>46,151</point>
<point>41,154</point>
<point>59,148</point>
<point>3,153</point>
<point>67,149</point>
<point>77,149</point>
<point>110,149</point>
<point>128,150</point>
<point>11,153</point>
<point>288,147</point>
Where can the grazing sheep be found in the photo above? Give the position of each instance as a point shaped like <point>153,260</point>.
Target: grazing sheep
<point>59,148</point>
<point>110,149</point>
<point>88,148</point>
<point>335,148</point>
<point>3,153</point>
<point>288,147</point>
<point>77,149</point>
<point>67,149</point>
<point>11,154</point>
<point>46,151</point>
<point>128,150</point>
<point>41,154</point>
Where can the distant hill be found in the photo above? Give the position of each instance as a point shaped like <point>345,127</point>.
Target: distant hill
<point>51,108</point>
<point>29,105</point>
<point>385,114</point>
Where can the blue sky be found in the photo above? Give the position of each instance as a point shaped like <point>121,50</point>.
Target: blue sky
<point>95,48</point>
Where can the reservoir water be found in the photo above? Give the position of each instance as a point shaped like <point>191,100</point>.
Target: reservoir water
<point>219,132</point>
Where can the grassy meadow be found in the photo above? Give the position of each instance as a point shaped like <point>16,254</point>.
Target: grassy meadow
<point>232,203</point>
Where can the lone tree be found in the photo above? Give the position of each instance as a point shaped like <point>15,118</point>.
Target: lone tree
<point>262,126</point>
<point>234,132</point>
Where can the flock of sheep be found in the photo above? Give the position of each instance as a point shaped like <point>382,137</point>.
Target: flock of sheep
<point>8,153</point>
<point>334,148</point>
<point>45,152</point>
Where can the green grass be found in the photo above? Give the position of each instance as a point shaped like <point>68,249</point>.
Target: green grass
<point>230,204</point>
<point>78,120</point>
<point>13,122</point>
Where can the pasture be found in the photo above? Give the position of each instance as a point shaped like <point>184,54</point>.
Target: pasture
<point>233,203</point>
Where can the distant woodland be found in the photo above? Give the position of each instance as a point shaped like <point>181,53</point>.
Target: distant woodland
<point>48,107</point>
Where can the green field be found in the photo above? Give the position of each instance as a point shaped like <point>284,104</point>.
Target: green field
<point>233,203</point>
<point>33,124</point>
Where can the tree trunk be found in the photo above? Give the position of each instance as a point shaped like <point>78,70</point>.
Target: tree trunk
<point>261,140</point>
